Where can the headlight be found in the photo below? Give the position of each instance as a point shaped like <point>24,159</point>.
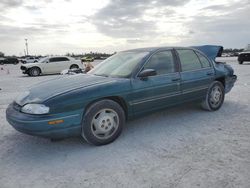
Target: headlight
<point>35,109</point>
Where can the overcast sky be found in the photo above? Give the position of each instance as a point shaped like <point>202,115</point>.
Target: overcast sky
<point>61,26</point>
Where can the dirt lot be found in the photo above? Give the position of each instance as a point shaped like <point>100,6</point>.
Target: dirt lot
<point>179,147</point>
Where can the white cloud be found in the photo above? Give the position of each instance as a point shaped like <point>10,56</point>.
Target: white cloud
<point>60,26</point>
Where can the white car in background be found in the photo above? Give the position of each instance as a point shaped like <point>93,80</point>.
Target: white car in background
<point>51,65</point>
<point>29,60</point>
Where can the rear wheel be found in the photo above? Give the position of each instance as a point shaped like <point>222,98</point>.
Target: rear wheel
<point>35,71</point>
<point>215,97</point>
<point>240,62</point>
<point>103,122</point>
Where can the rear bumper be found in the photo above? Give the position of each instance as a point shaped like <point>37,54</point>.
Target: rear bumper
<point>229,83</point>
<point>38,124</point>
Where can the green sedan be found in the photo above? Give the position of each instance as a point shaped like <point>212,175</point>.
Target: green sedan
<point>129,84</point>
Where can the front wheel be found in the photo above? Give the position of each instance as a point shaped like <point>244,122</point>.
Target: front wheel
<point>103,122</point>
<point>35,71</point>
<point>214,97</point>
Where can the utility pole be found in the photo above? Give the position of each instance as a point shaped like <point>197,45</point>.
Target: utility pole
<point>26,44</point>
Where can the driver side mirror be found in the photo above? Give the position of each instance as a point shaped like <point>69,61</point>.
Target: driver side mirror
<point>146,73</point>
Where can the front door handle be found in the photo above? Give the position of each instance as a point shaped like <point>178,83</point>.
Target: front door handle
<point>176,79</point>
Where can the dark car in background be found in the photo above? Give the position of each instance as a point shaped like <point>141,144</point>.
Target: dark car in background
<point>243,56</point>
<point>8,60</point>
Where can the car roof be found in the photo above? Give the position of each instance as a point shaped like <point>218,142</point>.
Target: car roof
<point>211,51</point>
<point>153,49</point>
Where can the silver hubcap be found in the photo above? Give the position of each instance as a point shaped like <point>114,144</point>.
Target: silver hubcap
<point>35,72</point>
<point>105,123</point>
<point>215,96</point>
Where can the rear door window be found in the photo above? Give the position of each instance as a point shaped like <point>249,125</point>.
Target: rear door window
<point>189,60</point>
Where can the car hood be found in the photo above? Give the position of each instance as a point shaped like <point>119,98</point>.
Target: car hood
<point>31,64</point>
<point>52,88</point>
<point>210,51</point>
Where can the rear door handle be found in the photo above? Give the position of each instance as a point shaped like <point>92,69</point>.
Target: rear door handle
<point>209,73</point>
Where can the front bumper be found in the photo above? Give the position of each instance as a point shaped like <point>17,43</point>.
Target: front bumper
<point>38,124</point>
<point>229,83</point>
<point>24,69</point>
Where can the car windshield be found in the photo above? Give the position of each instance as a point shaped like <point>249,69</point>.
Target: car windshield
<point>119,65</point>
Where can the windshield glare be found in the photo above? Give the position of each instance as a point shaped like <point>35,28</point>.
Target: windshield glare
<point>43,60</point>
<point>119,65</point>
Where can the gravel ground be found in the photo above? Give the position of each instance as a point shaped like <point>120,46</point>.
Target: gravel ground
<point>179,147</point>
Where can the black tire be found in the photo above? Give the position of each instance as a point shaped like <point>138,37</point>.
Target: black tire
<point>74,66</point>
<point>214,97</point>
<point>240,62</point>
<point>35,71</point>
<point>95,134</point>
<point>1,62</point>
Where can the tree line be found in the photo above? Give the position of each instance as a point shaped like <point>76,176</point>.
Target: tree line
<point>99,55</point>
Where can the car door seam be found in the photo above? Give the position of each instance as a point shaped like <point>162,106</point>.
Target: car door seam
<point>158,97</point>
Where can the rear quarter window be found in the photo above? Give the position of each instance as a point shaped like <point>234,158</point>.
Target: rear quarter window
<point>204,61</point>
